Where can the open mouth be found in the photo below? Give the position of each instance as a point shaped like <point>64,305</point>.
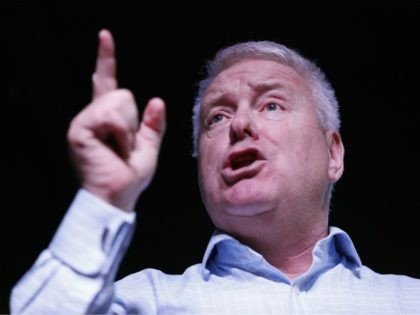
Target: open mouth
<point>241,165</point>
<point>242,160</point>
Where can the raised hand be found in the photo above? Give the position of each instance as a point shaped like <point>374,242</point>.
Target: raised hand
<point>114,154</point>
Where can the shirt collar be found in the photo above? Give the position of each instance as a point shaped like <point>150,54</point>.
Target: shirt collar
<point>345,247</point>
<point>224,250</point>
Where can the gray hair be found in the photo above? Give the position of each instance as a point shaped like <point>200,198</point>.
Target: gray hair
<point>323,95</point>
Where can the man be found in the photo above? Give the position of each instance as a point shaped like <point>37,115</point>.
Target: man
<point>266,135</point>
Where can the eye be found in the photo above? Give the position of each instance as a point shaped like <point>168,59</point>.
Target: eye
<point>216,122</point>
<point>273,111</point>
<point>215,119</point>
<point>272,107</point>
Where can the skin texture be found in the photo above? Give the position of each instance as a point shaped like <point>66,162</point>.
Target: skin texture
<point>277,202</point>
<point>114,153</point>
<point>264,163</point>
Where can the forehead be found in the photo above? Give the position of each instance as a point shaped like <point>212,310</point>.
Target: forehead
<point>256,73</point>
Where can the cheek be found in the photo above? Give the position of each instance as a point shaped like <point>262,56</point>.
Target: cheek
<point>209,155</point>
<point>204,155</point>
<point>312,155</point>
<point>299,149</point>
<point>210,150</point>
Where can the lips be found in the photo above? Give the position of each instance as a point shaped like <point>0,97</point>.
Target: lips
<point>242,164</point>
<point>243,160</point>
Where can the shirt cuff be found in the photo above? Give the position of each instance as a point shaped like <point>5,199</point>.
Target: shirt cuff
<point>92,235</point>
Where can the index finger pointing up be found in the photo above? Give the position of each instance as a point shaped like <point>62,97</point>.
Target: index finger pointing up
<point>104,79</point>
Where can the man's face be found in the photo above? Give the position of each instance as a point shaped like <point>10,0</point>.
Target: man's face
<point>260,146</point>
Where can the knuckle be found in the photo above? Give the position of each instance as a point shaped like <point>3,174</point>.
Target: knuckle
<point>125,95</point>
<point>105,113</point>
<point>73,133</point>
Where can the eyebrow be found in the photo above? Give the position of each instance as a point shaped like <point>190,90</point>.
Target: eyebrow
<point>265,86</point>
<point>222,98</point>
<point>260,87</point>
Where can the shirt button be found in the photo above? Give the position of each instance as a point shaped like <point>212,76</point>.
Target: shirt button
<point>296,290</point>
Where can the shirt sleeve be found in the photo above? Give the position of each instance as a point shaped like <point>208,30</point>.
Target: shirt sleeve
<point>75,274</point>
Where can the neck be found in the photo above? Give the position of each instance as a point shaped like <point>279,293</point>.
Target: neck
<point>295,259</point>
<point>288,248</point>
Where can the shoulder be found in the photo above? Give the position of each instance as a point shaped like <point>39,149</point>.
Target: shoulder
<point>146,289</point>
<point>402,284</point>
<point>153,277</point>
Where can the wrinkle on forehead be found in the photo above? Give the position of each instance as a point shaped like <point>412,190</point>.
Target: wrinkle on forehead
<point>266,75</point>
<point>263,76</point>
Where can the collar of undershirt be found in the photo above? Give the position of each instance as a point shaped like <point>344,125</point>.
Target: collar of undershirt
<point>224,254</point>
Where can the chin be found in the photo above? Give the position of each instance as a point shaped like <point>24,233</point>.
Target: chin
<point>244,199</point>
<point>246,211</point>
<point>247,205</point>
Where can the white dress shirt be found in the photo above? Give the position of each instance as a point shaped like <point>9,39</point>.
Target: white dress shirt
<point>75,275</point>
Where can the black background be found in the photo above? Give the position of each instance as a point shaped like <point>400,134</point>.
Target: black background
<point>368,51</point>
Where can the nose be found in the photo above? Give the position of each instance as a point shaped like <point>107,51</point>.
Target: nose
<point>243,125</point>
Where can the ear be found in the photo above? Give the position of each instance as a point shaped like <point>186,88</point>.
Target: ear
<point>336,153</point>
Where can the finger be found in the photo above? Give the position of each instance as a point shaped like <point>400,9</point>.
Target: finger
<point>117,136</point>
<point>154,115</point>
<point>112,130</point>
<point>153,124</point>
<point>104,78</point>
